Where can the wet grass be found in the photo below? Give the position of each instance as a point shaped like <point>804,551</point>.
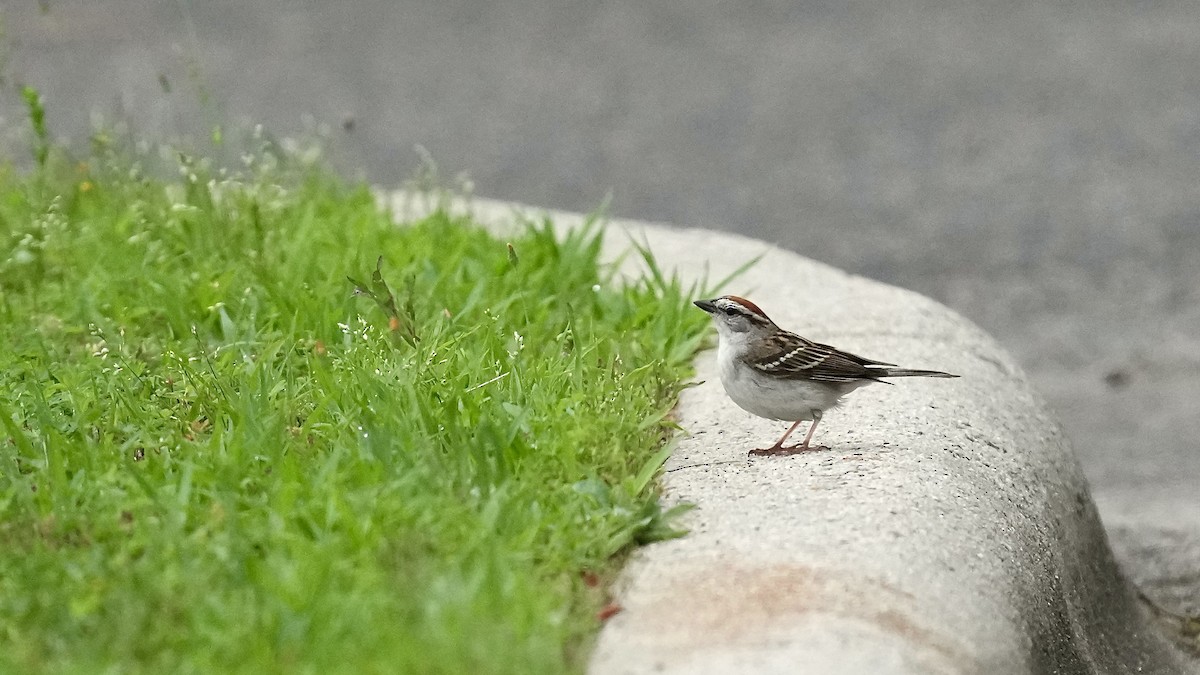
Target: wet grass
<point>216,457</point>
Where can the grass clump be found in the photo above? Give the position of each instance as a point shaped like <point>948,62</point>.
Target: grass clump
<point>215,457</point>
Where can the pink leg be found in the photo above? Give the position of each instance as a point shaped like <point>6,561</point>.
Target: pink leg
<point>778,448</point>
<point>808,437</point>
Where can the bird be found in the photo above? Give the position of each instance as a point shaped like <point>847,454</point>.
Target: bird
<point>779,375</point>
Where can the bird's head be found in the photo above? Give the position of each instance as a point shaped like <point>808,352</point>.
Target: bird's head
<point>737,319</point>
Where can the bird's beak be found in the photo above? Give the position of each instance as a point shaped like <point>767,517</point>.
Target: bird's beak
<point>706,305</point>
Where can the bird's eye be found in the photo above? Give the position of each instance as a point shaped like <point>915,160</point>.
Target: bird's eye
<point>728,311</point>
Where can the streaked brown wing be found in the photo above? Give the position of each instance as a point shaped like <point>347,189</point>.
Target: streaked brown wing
<point>793,357</point>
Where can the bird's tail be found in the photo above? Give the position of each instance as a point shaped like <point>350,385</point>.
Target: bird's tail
<point>906,372</point>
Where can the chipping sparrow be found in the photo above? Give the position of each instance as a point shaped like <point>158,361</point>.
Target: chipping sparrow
<point>779,375</point>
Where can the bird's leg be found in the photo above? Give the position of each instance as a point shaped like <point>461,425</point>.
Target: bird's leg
<point>803,447</point>
<point>778,448</point>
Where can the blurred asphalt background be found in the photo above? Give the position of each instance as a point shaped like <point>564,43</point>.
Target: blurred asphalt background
<point>1034,165</point>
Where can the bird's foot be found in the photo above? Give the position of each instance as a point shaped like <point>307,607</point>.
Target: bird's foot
<point>789,450</point>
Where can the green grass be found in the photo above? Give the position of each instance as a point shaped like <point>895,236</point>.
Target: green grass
<point>215,457</point>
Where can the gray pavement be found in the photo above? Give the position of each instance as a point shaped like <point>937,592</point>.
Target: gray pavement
<point>1031,164</point>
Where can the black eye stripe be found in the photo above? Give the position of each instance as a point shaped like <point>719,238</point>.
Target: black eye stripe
<point>734,309</point>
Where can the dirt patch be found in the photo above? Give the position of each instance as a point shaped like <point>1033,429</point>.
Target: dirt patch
<point>731,606</point>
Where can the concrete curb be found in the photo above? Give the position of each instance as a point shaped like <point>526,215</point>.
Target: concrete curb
<point>948,530</point>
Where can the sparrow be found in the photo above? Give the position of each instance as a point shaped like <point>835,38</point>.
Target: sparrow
<point>776,374</point>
